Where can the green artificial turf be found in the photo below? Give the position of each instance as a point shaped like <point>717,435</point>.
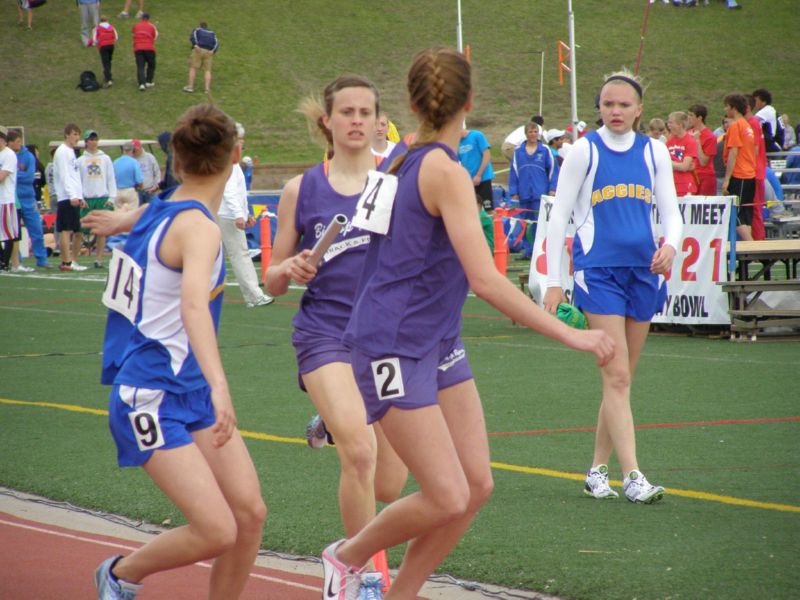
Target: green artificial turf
<point>727,528</point>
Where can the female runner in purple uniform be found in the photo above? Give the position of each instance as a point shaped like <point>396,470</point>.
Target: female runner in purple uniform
<point>407,354</point>
<point>307,205</point>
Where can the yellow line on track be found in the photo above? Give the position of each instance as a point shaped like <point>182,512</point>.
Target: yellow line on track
<point>693,494</point>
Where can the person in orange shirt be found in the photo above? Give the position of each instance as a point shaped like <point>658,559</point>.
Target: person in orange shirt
<point>740,160</point>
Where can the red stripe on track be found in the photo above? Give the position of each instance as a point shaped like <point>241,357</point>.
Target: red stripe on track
<point>650,426</point>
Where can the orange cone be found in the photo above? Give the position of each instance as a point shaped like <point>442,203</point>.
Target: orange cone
<point>266,244</point>
<point>500,243</point>
<point>382,566</point>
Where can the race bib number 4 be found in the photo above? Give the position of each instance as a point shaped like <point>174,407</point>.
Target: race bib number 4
<point>374,208</point>
<point>123,285</point>
<point>388,378</point>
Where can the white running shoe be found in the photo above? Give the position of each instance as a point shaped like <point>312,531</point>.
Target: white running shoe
<point>317,435</point>
<point>341,582</point>
<point>638,489</point>
<point>264,300</point>
<point>110,588</point>
<point>76,267</point>
<point>596,484</point>
<point>22,269</point>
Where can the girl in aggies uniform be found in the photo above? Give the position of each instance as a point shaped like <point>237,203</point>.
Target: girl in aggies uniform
<point>308,204</point>
<point>609,180</point>
<point>407,354</point>
<point>170,409</point>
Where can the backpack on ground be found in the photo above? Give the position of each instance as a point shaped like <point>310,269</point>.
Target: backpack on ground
<point>88,82</point>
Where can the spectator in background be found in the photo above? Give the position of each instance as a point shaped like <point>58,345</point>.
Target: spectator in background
<point>104,37</point>
<point>768,116</point>
<point>26,194</point>
<point>168,180</point>
<point>706,150</point>
<point>128,175</point>
<point>233,218</point>
<point>247,169</point>
<point>204,46</point>
<point>534,171</point>
<point>789,135</point>
<point>127,10</point>
<point>381,146</point>
<point>719,162</point>
<point>23,6</point>
<point>656,129</point>
<point>39,181</point>
<point>99,185</point>
<point>739,154</point>
<point>759,128</point>
<point>9,220</point>
<point>90,17</point>
<point>151,172</point>
<point>473,152</point>
<point>792,162</point>
<point>555,138</point>
<point>683,151</point>
<point>67,181</point>
<point>145,35</point>
<point>517,137</point>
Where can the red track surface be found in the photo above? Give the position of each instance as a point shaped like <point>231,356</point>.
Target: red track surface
<point>44,562</point>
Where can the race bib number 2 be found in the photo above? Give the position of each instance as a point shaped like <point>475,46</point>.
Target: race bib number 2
<point>123,285</point>
<point>374,208</point>
<point>388,378</point>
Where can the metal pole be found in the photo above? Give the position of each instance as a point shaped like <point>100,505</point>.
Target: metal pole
<point>572,83</point>
<point>459,40</point>
<point>541,83</point>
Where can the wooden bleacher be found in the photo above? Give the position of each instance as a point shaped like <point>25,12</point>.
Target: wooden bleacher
<point>748,316</point>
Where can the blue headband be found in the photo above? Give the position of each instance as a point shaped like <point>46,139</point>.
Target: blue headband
<point>632,82</point>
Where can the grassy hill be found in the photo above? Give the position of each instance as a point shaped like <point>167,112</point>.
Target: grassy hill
<point>277,51</point>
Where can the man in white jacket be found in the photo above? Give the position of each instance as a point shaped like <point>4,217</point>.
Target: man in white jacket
<point>99,185</point>
<point>69,191</point>
<point>233,217</point>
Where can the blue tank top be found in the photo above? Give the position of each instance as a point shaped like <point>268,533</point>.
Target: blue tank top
<point>328,300</point>
<point>618,231</point>
<point>413,287</point>
<point>153,351</point>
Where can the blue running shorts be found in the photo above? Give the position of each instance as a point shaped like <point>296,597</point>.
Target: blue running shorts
<point>632,292</point>
<point>143,420</point>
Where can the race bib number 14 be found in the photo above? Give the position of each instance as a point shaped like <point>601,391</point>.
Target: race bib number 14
<point>374,208</point>
<point>123,284</point>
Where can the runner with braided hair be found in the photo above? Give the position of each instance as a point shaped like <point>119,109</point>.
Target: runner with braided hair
<point>426,250</point>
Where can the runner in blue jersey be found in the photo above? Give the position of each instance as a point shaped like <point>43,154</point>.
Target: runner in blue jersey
<point>609,181</point>
<point>170,409</point>
<point>308,203</point>
<point>408,357</point>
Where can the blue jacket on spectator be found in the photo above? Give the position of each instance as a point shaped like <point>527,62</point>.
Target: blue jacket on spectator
<point>204,38</point>
<point>792,162</point>
<point>534,174</point>
<point>26,174</point>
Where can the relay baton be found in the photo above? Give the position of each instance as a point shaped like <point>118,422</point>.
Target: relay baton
<point>324,242</point>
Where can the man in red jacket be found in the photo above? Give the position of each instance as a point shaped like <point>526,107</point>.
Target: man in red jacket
<point>144,49</point>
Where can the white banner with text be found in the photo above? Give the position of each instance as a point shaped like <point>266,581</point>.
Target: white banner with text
<point>693,296</point>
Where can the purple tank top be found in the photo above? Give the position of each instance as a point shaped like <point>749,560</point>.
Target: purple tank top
<point>328,300</point>
<point>413,286</point>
